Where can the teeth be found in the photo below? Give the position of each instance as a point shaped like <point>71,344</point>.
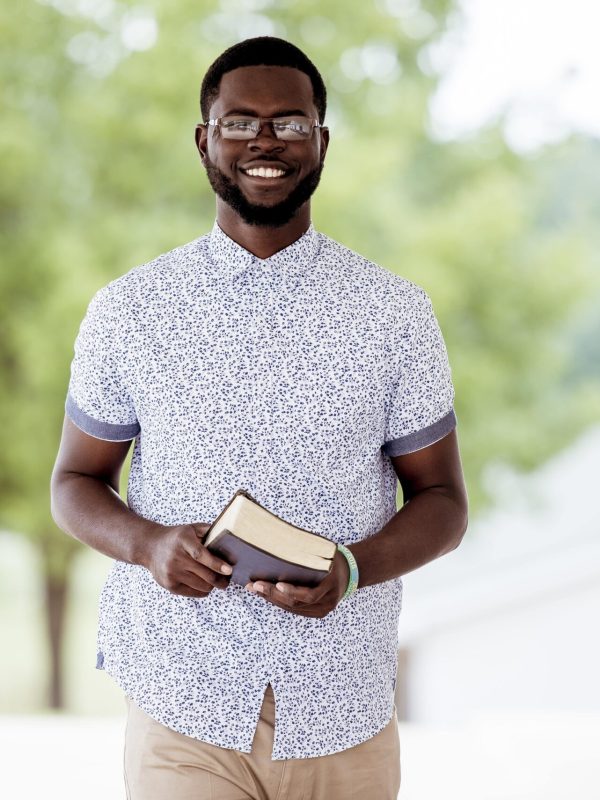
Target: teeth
<point>265,172</point>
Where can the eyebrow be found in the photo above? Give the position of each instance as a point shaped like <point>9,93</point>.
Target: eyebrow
<point>246,112</point>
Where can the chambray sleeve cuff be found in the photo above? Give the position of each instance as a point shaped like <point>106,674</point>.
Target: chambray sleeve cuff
<point>108,431</point>
<point>423,438</point>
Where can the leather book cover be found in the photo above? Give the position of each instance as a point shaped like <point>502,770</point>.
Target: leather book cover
<point>250,563</point>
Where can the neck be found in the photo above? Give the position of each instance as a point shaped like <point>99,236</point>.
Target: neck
<point>261,241</point>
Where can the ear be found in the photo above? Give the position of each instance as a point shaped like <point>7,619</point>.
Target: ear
<point>200,137</point>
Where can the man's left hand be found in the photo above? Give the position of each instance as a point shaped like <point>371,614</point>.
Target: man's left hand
<point>307,601</point>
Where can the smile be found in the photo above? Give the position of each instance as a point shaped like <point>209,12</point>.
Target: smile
<point>264,172</point>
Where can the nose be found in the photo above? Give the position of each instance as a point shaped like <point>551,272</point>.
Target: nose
<point>266,140</point>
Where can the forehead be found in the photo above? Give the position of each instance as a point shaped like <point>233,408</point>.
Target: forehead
<point>264,90</point>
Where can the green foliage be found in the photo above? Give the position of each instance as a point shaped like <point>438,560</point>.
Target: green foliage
<point>100,174</point>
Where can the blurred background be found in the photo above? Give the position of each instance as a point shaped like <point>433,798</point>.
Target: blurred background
<point>465,156</point>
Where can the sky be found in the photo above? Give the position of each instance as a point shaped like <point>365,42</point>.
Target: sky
<point>538,58</point>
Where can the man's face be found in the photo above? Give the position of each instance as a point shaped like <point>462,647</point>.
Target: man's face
<point>263,91</point>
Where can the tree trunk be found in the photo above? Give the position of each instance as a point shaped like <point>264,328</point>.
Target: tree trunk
<point>56,589</point>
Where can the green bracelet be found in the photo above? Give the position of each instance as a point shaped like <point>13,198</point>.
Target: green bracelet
<point>353,580</point>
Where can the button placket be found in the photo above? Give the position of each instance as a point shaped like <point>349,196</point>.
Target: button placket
<point>267,363</point>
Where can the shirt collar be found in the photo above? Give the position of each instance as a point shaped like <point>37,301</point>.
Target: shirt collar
<point>231,258</point>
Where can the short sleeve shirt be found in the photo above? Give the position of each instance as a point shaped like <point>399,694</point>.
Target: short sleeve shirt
<point>295,377</point>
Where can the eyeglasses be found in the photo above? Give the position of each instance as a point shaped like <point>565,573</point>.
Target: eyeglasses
<point>286,128</point>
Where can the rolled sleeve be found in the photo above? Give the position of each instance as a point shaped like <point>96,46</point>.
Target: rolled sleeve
<point>98,400</point>
<point>421,403</point>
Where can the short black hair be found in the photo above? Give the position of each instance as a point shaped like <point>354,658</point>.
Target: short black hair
<point>261,51</point>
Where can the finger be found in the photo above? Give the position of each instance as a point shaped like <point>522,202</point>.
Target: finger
<point>202,555</point>
<point>270,591</point>
<point>277,598</point>
<point>304,595</point>
<point>200,529</point>
<point>199,573</point>
<point>300,594</point>
<point>188,591</point>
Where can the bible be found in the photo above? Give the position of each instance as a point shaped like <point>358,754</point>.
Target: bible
<point>260,545</point>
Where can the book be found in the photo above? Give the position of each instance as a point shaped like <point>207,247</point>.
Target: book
<point>260,545</point>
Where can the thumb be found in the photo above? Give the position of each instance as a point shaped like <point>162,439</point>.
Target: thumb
<point>200,529</point>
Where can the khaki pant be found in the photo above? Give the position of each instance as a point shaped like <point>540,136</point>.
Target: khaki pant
<point>161,764</point>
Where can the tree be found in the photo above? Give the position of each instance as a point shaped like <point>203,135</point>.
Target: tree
<point>100,174</point>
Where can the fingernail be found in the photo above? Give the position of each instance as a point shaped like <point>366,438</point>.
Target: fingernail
<point>259,587</point>
<point>226,569</point>
<point>280,586</point>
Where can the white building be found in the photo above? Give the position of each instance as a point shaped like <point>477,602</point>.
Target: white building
<point>509,623</point>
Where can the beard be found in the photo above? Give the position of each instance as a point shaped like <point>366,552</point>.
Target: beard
<point>262,215</point>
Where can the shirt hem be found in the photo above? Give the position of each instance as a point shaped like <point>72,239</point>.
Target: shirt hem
<point>108,431</point>
<point>276,755</point>
<point>329,752</point>
<point>423,438</point>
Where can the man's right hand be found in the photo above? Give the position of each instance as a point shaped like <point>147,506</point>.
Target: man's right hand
<point>86,504</point>
<point>180,563</point>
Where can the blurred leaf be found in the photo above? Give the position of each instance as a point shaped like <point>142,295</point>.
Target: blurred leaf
<point>100,174</point>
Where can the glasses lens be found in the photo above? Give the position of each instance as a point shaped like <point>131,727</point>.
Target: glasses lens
<point>292,127</point>
<point>239,127</point>
<point>288,128</point>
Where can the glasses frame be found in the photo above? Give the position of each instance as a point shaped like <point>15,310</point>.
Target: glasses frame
<point>216,123</point>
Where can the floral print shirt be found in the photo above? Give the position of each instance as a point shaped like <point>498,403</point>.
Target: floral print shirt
<point>296,378</point>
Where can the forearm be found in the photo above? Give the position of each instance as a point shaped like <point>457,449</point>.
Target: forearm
<point>430,525</point>
<point>88,509</point>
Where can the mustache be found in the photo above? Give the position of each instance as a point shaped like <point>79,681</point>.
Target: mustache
<point>265,216</point>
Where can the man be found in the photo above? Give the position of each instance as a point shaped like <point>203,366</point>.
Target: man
<point>262,356</point>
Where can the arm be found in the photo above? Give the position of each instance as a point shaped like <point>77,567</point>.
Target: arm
<point>431,522</point>
<point>85,503</point>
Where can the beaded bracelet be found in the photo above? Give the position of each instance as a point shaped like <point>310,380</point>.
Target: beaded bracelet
<point>353,580</point>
